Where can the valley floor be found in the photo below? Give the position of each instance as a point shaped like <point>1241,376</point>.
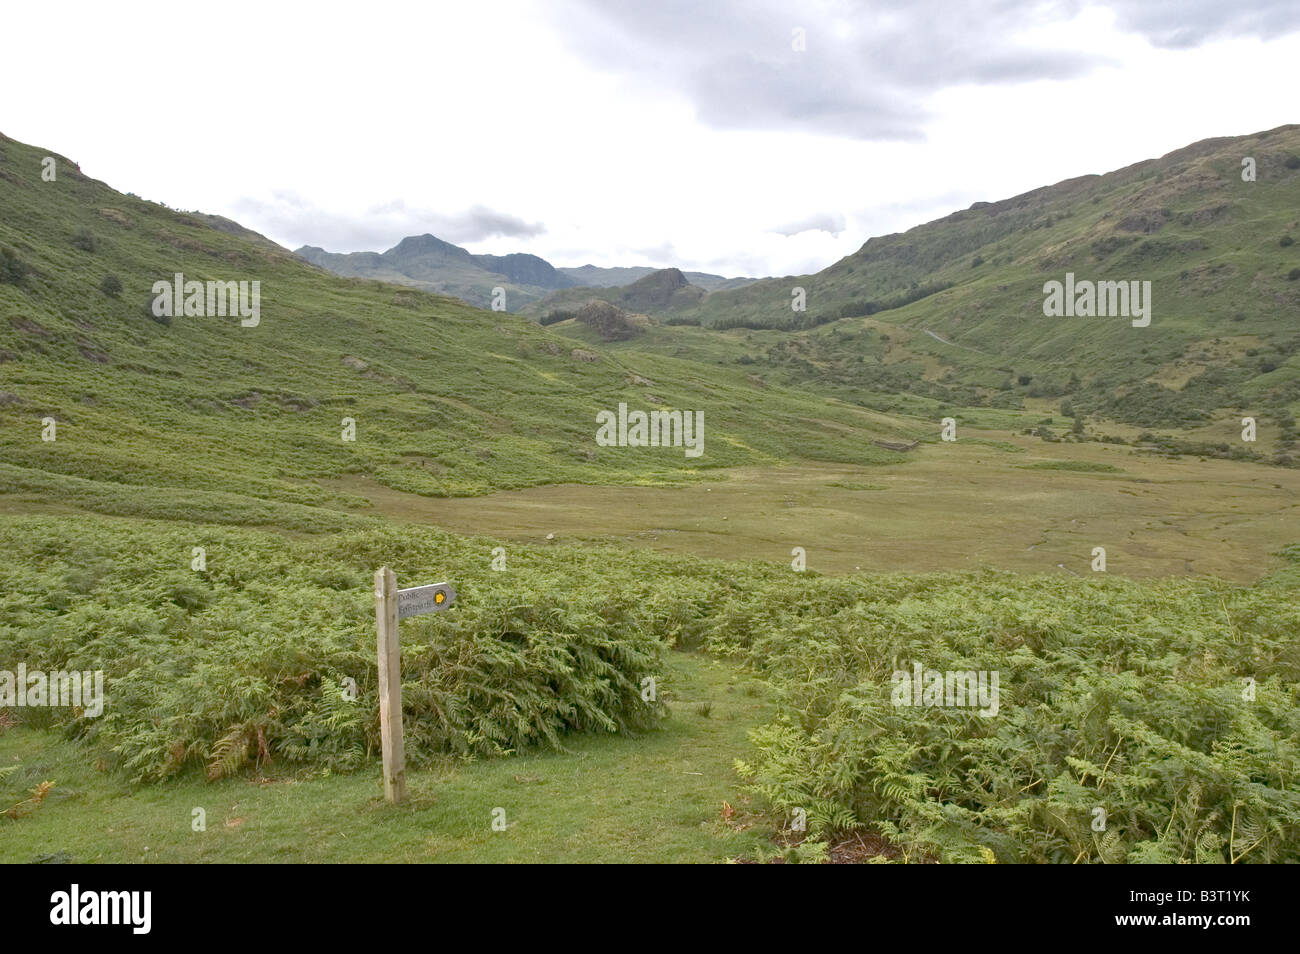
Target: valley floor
<point>997,499</point>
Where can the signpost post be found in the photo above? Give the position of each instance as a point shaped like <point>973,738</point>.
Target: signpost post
<point>391,605</point>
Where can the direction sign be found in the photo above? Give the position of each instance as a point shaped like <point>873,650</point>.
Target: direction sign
<point>424,599</point>
<point>392,604</point>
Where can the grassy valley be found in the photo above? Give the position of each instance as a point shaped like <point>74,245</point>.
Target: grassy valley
<point>447,399</point>
<point>1164,690</point>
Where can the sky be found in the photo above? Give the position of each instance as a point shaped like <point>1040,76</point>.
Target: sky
<point>742,137</point>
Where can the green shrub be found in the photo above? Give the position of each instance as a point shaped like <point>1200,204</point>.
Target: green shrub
<point>85,241</point>
<point>164,320</point>
<point>244,663</point>
<point>12,268</point>
<point>112,287</point>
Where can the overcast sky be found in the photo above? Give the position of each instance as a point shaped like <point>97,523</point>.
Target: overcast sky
<point>631,133</point>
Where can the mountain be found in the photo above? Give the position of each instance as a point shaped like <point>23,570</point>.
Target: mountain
<point>525,269</point>
<point>661,291</point>
<point>208,418</point>
<point>953,310</point>
<point>428,262</point>
<point>1188,208</point>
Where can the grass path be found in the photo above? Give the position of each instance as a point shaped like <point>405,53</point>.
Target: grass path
<point>657,798</point>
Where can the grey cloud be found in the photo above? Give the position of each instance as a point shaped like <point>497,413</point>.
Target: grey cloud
<point>869,67</point>
<point>294,220</point>
<point>480,222</point>
<point>866,72</point>
<point>1183,24</point>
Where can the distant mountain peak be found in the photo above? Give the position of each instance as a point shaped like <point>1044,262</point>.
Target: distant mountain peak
<point>425,245</point>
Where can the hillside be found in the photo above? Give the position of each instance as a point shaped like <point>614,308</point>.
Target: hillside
<point>953,310</point>
<point>207,417</point>
<point>1186,211</point>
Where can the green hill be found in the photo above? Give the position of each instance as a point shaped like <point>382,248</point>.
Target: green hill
<point>591,276</point>
<point>663,292</point>
<point>446,399</point>
<point>953,310</point>
<point>1186,211</point>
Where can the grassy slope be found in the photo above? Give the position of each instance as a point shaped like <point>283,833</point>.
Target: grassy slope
<point>448,400</point>
<point>1146,218</point>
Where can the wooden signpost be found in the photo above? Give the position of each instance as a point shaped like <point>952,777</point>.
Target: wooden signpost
<point>391,605</point>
